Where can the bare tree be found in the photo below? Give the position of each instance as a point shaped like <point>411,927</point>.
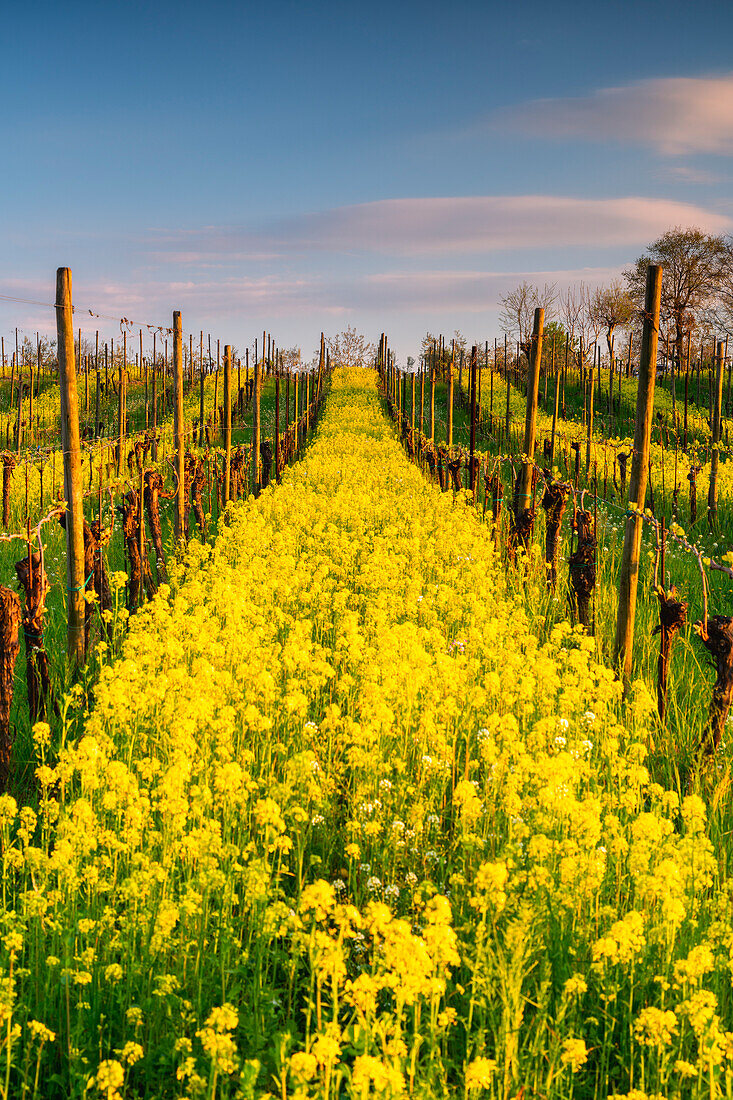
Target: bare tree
<point>350,349</point>
<point>459,342</point>
<point>720,315</point>
<point>292,359</point>
<point>612,308</point>
<point>517,311</point>
<point>581,322</point>
<point>694,266</point>
<point>441,355</point>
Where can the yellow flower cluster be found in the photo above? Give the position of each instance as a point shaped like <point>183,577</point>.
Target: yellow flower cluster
<point>339,824</point>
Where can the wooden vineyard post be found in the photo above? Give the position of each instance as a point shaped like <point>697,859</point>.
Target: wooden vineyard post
<point>155,403</point>
<point>216,386</point>
<point>589,435</point>
<point>256,430</point>
<point>432,399</point>
<point>555,406</point>
<point>147,405</point>
<point>713,487</point>
<point>322,358</point>
<point>144,565</point>
<point>288,456</point>
<point>308,392</point>
<point>19,423</point>
<point>524,494</point>
<point>202,410</point>
<point>472,444</point>
<point>412,401</point>
<point>508,418</point>
<point>629,574</point>
<point>73,490</point>
<point>30,399</point>
<point>227,421</point>
<point>278,471</point>
<point>178,426</point>
<point>97,431</point>
<point>120,415</point>
<point>450,395</point>
<point>296,416</point>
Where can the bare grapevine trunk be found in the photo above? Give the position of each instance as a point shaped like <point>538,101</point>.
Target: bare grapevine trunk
<point>692,478</point>
<point>189,465</point>
<point>266,457</point>
<point>622,460</point>
<point>153,488</point>
<point>554,500</point>
<point>719,643</point>
<point>454,469</point>
<point>34,582</point>
<point>521,523</point>
<point>139,567</point>
<point>672,615</point>
<point>441,468</point>
<point>93,538</point>
<point>582,566</point>
<point>10,617</point>
<point>8,467</point>
<point>197,488</point>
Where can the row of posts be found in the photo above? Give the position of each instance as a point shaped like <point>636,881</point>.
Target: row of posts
<point>71,448</point>
<point>629,570</point>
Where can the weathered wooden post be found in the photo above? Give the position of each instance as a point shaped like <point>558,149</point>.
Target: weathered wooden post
<point>97,428</point>
<point>308,396</point>
<point>256,429</point>
<point>589,426</point>
<point>629,574</point>
<point>19,421</point>
<point>508,417</point>
<point>412,401</point>
<point>142,550</point>
<point>73,490</point>
<point>120,410</point>
<point>278,470</point>
<point>296,415</point>
<point>30,398</point>
<point>432,398</point>
<point>180,512</point>
<point>450,393</point>
<point>472,444</point>
<point>227,422</point>
<point>216,385</point>
<point>717,410</point>
<point>555,407</point>
<point>524,493</point>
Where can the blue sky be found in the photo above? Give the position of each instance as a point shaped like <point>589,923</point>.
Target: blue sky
<point>393,166</point>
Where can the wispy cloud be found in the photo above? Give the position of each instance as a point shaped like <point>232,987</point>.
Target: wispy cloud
<point>423,226</point>
<point>674,115</point>
<point>210,303</point>
<point>688,173</point>
<point>470,291</point>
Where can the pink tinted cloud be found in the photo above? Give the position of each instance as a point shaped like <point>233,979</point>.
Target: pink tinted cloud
<point>468,224</point>
<point>214,301</point>
<point>675,115</point>
<point>471,291</point>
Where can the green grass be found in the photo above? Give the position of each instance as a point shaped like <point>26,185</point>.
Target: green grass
<point>691,676</point>
<point>49,461</point>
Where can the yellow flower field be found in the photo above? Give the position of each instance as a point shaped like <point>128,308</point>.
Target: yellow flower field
<point>339,826</point>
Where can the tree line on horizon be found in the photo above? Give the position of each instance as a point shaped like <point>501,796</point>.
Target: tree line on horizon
<point>697,305</point>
